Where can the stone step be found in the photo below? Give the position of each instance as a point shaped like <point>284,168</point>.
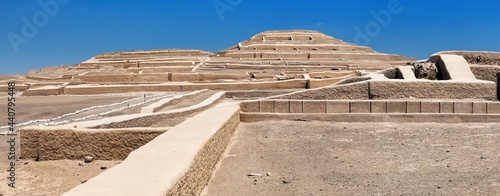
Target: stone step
<point>303,47</point>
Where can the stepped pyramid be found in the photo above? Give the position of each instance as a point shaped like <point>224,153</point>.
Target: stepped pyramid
<point>308,49</point>
<point>262,57</point>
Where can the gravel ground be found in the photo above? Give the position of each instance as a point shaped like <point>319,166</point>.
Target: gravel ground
<point>321,158</point>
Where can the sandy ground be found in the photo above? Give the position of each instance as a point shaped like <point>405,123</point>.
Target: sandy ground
<point>320,158</point>
<point>51,177</point>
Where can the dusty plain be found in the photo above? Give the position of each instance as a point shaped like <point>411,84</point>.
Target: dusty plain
<point>321,158</point>
<point>48,178</point>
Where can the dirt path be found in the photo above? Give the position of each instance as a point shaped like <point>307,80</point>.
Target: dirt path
<point>320,158</point>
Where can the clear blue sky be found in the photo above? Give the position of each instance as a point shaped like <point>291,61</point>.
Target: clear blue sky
<point>80,29</point>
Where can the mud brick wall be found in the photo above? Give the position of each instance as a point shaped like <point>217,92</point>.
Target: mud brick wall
<point>186,156</point>
<point>91,90</point>
<point>165,64</point>
<point>73,144</point>
<point>432,90</point>
<point>393,89</point>
<point>185,77</point>
<point>44,91</point>
<point>106,78</point>
<point>212,77</point>
<point>485,72</point>
<point>323,82</point>
<point>151,77</point>
<point>370,106</point>
<point>200,172</point>
<point>348,91</point>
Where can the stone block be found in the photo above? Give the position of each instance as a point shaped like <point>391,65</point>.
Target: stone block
<point>378,107</point>
<point>463,107</point>
<point>281,106</point>
<point>429,107</point>
<point>405,72</point>
<point>446,107</point>
<point>266,106</point>
<point>479,107</point>
<point>360,106</point>
<point>493,108</point>
<point>413,107</point>
<point>250,106</point>
<point>337,107</point>
<point>296,107</point>
<point>452,67</point>
<point>396,107</point>
<point>314,106</point>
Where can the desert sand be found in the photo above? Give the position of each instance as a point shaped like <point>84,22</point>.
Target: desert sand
<point>321,158</point>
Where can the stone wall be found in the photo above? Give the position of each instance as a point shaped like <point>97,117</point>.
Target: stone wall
<point>43,91</point>
<point>75,144</point>
<point>348,91</point>
<point>214,77</point>
<point>185,156</point>
<point>331,74</point>
<point>432,90</point>
<point>160,77</point>
<point>200,171</point>
<point>373,118</point>
<point>19,87</point>
<point>90,90</point>
<point>485,72</point>
<point>371,106</point>
<point>371,66</point>
<point>255,94</point>
<point>304,47</point>
<point>167,64</point>
<point>185,77</point>
<point>400,89</point>
<point>125,78</point>
<point>478,57</point>
<point>323,82</point>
